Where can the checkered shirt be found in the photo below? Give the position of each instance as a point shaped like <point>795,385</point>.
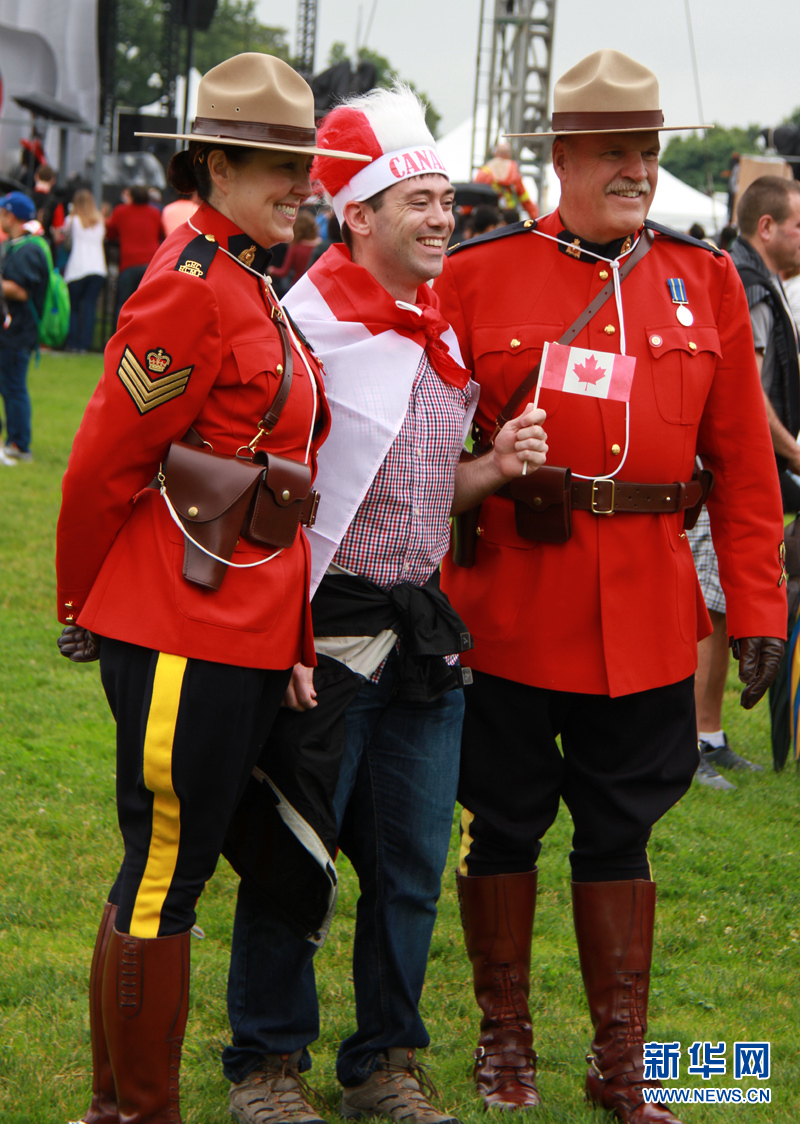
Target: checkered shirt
<point>401,531</point>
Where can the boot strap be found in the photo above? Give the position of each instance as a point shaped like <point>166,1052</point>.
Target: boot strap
<point>513,1056</point>
<point>616,1071</point>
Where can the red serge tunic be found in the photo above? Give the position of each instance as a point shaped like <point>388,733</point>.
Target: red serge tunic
<point>617,608</point>
<point>195,347</point>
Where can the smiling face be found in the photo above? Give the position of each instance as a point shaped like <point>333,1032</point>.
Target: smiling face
<point>263,195</point>
<point>402,243</point>
<point>607,182</point>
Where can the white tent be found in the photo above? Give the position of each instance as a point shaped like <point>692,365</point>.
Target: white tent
<point>675,204</point>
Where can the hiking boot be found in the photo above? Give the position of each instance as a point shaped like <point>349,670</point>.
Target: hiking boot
<point>274,1093</point>
<point>723,757</point>
<point>706,774</point>
<point>397,1087</point>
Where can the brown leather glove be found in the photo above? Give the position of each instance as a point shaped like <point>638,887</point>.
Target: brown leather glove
<point>759,659</point>
<point>78,644</point>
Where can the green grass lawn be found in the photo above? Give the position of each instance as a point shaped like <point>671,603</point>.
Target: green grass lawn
<point>727,935</point>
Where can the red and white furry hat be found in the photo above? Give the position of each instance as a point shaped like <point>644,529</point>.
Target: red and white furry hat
<point>388,125</point>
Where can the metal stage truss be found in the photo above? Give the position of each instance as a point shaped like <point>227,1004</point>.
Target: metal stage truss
<point>512,83</point>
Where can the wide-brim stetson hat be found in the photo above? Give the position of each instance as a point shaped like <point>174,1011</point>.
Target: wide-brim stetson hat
<point>256,101</point>
<point>607,92</point>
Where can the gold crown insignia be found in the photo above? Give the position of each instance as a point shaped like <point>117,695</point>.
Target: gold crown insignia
<point>157,361</point>
<point>248,256</point>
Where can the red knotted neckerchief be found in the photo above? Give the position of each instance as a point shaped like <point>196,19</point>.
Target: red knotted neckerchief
<point>353,294</point>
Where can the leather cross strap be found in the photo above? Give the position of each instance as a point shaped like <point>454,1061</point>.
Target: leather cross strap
<point>270,419</point>
<point>516,399</point>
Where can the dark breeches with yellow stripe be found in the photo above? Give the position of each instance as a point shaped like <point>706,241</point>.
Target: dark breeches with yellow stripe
<point>188,734</point>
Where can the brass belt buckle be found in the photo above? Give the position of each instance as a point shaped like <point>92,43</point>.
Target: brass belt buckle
<point>602,510</point>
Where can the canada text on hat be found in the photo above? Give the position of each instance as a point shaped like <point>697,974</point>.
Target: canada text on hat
<point>389,126</point>
<point>607,92</point>
<point>19,205</point>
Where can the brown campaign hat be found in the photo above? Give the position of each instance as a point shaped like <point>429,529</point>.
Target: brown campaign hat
<point>607,92</point>
<point>256,101</point>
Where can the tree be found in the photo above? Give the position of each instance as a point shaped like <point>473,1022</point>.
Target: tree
<point>141,62</point>
<point>234,29</point>
<point>385,75</point>
<point>692,158</point>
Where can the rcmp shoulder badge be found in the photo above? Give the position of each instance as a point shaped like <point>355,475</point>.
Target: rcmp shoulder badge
<point>197,256</point>
<point>147,392</point>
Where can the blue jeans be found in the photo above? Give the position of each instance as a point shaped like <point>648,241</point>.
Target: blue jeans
<point>14,390</point>
<point>394,806</point>
<point>83,295</point>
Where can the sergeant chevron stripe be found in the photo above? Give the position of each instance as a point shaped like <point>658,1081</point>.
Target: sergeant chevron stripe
<point>147,392</point>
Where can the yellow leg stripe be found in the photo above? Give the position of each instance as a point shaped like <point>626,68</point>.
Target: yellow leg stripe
<point>158,742</point>
<point>466,840</point>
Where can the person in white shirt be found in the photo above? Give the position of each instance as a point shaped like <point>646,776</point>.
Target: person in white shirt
<point>86,269</point>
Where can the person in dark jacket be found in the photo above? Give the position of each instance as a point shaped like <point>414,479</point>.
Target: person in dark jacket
<point>25,275</point>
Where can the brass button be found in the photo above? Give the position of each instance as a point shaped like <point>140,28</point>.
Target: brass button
<point>71,617</point>
<point>192,512</point>
<point>656,341</point>
<point>682,535</point>
<point>615,449</point>
<point>279,368</point>
<point>692,346</point>
<point>537,501</point>
<point>286,495</point>
<point>210,238</point>
<point>515,343</point>
<point>528,223</point>
<point>609,329</point>
<point>67,604</point>
<point>479,530</point>
<point>603,275</point>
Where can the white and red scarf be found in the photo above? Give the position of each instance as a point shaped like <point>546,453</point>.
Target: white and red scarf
<point>371,347</point>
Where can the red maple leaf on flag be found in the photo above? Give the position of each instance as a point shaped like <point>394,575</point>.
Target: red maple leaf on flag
<point>590,371</point>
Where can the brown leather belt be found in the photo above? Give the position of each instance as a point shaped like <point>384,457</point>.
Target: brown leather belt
<point>605,497</point>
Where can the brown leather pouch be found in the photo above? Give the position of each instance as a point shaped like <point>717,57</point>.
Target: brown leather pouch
<point>542,508</point>
<point>211,495</point>
<point>277,506</point>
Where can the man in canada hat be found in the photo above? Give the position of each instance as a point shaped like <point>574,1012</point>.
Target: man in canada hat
<point>583,600</point>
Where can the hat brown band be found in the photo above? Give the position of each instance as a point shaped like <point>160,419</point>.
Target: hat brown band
<point>594,122</point>
<point>253,131</point>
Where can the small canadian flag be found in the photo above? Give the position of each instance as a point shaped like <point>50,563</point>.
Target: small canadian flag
<point>594,374</point>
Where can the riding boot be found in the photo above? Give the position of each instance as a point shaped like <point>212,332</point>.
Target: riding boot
<point>103,1109</point>
<point>145,1005</point>
<point>497,916</point>
<point>614,927</point>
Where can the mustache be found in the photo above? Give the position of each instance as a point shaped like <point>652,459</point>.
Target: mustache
<point>616,187</point>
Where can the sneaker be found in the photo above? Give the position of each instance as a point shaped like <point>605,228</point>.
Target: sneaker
<point>396,1088</point>
<point>723,757</point>
<point>16,453</point>
<point>9,462</point>
<point>275,1093</point>
<point>708,775</point>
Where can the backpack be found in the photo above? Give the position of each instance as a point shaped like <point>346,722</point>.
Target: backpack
<point>53,324</point>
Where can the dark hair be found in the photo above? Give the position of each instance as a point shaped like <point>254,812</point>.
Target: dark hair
<point>768,195</point>
<point>139,194</point>
<point>188,170</point>
<point>483,217</point>
<point>697,231</point>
